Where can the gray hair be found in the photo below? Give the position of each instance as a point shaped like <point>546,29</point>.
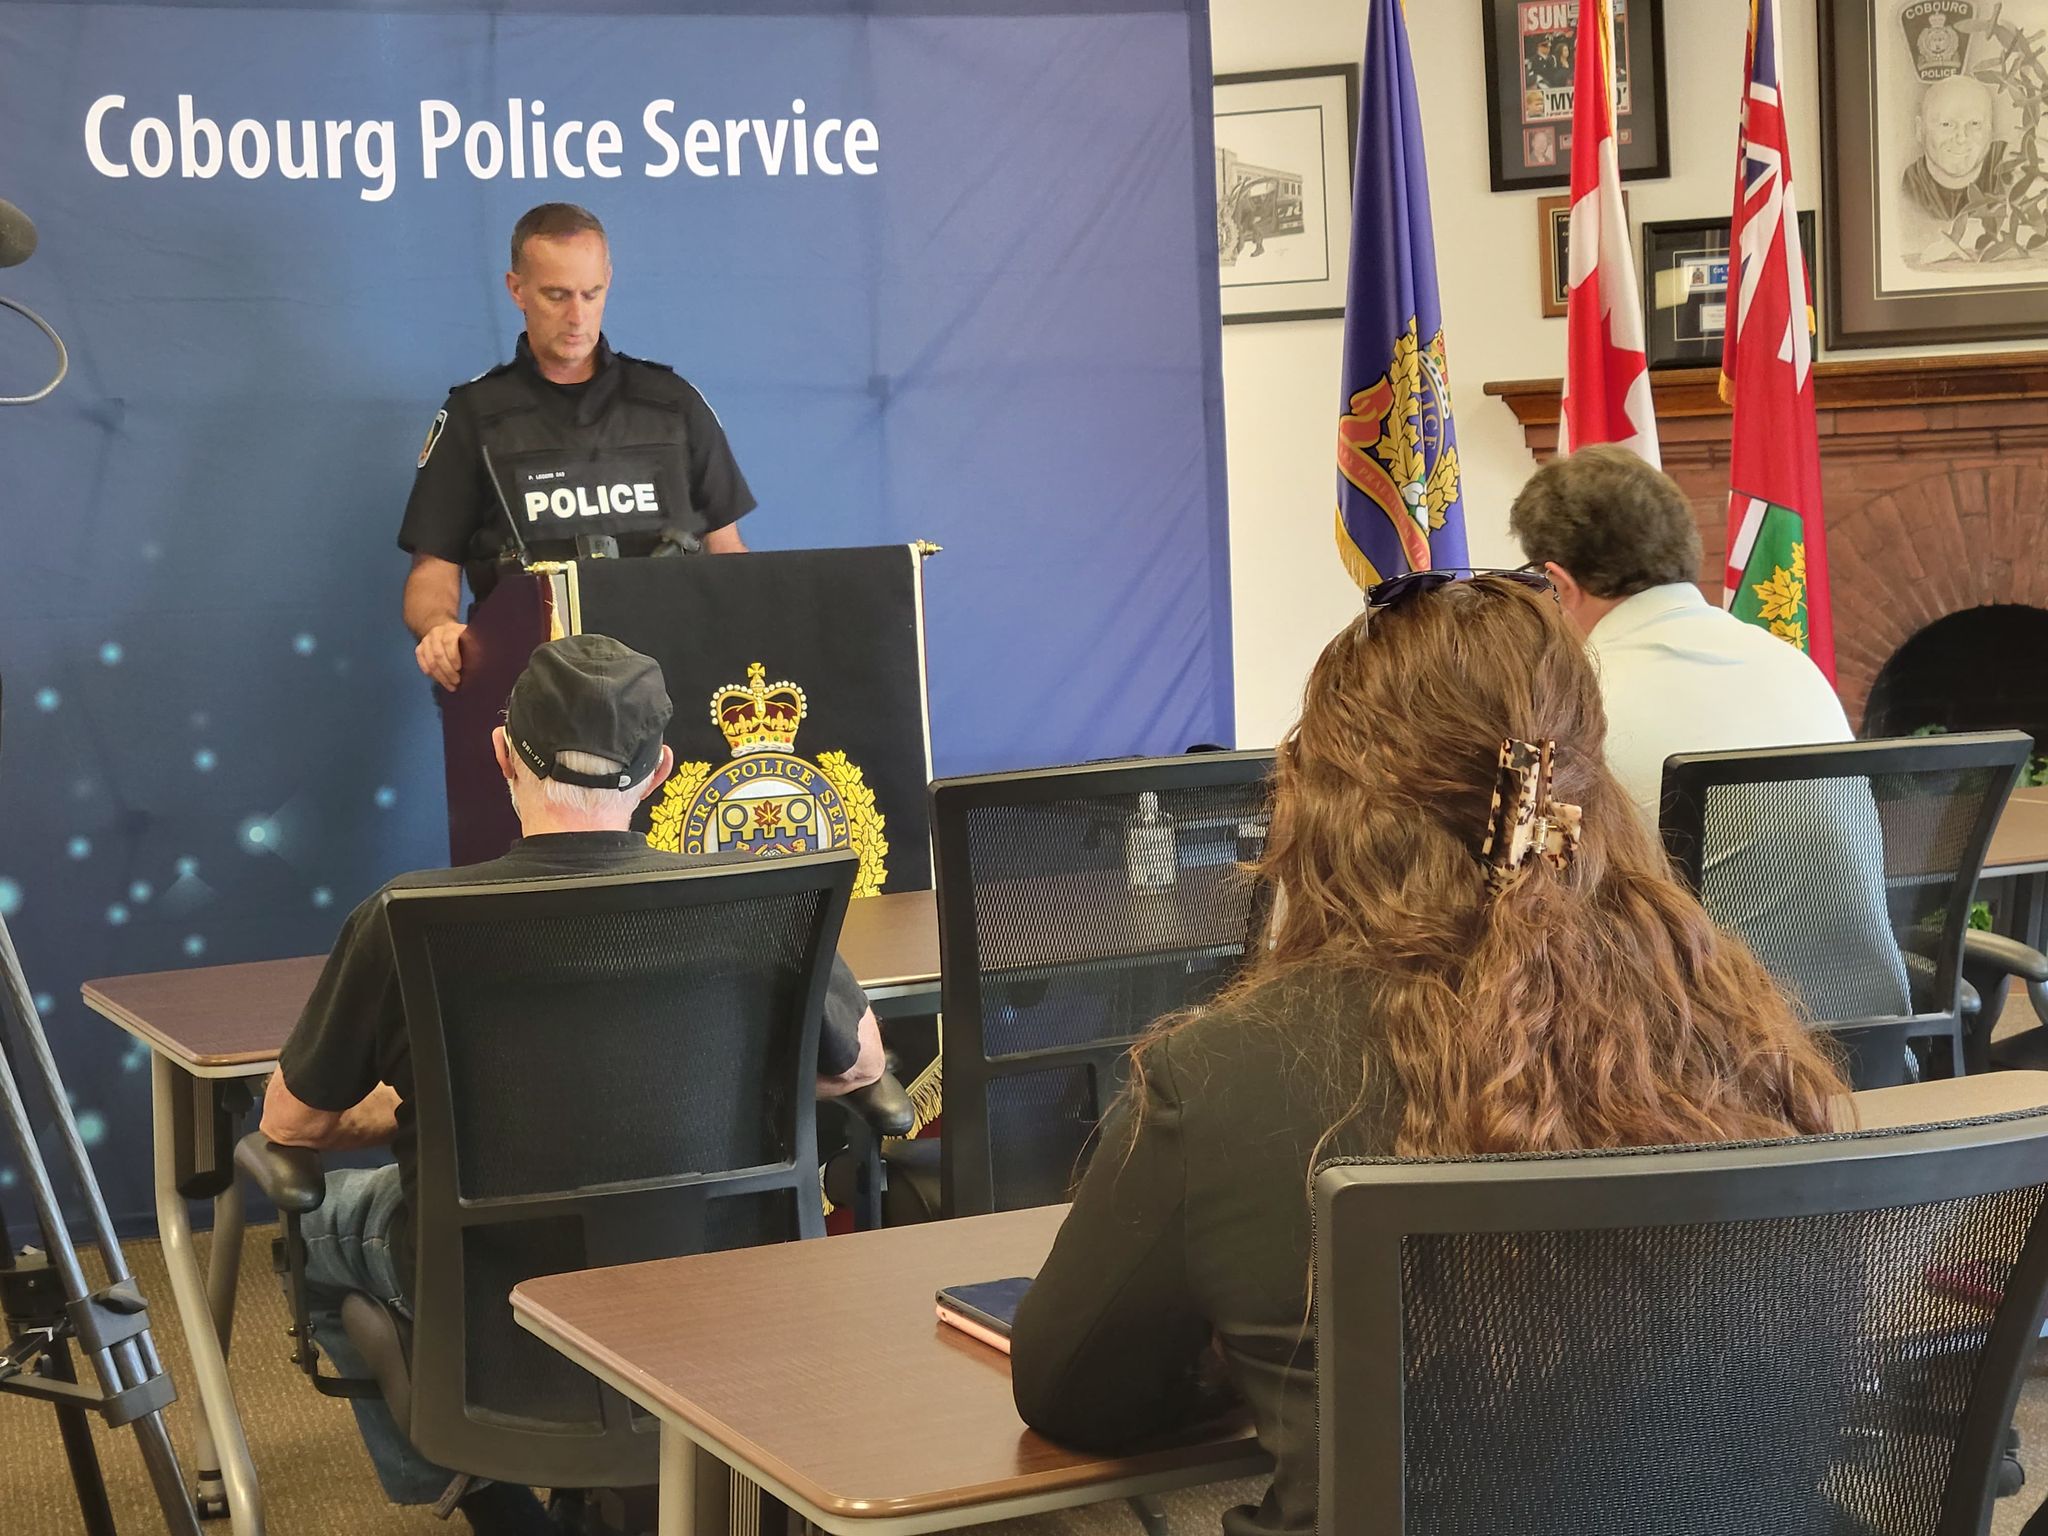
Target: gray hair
<point>582,798</point>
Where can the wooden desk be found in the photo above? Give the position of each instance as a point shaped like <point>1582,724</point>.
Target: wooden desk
<point>891,944</point>
<point>2016,867</point>
<point>2019,843</point>
<point>819,1372</point>
<point>214,1021</point>
<point>1956,1098</point>
<point>213,1029</point>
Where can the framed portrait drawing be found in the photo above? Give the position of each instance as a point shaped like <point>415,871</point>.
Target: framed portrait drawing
<point>1530,69</point>
<point>1554,251</point>
<point>1685,289</point>
<point>1933,113</point>
<point>1283,191</point>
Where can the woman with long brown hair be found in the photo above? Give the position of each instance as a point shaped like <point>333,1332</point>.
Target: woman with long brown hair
<point>1476,947</point>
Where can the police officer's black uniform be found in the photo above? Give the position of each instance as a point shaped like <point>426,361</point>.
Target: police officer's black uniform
<point>633,453</point>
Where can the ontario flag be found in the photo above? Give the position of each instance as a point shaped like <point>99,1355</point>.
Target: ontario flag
<point>1777,572</point>
<point>1400,506</point>
<point>1606,376</point>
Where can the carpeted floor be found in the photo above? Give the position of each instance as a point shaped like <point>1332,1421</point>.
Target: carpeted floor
<point>317,1481</point>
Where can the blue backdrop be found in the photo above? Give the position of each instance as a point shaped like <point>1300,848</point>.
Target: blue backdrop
<point>1003,337</point>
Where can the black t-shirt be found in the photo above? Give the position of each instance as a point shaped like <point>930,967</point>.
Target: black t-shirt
<point>453,501</point>
<point>352,1034</point>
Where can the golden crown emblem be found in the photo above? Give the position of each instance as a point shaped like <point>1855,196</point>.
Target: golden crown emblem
<point>758,716</point>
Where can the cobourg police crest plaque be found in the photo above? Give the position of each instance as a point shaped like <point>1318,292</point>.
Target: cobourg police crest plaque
<point>768,800</point>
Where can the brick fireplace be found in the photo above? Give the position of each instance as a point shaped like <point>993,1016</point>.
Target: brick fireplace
<point>1935,475</point>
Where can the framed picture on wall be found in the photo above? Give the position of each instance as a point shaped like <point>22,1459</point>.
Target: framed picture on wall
<point>1283,191</point>
<point>1554,251</point>
<point>1685,289</point>
<point>1530,66</point>
<point>1937,212</point>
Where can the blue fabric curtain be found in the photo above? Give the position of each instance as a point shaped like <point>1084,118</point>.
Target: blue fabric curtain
<point>1003,340</point>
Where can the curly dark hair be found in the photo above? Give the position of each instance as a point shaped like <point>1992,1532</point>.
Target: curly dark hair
<point>553,221</point>
<point>1617,525</point>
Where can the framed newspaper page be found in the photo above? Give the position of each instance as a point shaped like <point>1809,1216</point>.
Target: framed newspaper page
<point>1531,64</point>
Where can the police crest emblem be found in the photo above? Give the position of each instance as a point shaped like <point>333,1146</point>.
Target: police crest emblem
<point>1935,37</point>
<point>1394,445</point>
<point>768,800</point>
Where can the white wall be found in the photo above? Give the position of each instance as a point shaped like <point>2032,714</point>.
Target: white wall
<point>1289,594</point>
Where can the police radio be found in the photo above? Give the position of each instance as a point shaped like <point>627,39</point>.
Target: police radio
<point>17,244</point>
<point>674,541</point>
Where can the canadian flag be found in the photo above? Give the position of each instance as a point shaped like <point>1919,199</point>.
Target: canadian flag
<point>1606,377</point>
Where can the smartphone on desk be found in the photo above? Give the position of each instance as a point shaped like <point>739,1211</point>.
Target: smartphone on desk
<point>985,1310</point>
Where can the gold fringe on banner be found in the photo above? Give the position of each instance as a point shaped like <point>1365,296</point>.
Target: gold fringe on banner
<point>927,1095</point>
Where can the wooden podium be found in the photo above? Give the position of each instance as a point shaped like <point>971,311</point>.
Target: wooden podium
<point>798,680</point>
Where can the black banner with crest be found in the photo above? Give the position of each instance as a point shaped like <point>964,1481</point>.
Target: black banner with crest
<point>798,684</point>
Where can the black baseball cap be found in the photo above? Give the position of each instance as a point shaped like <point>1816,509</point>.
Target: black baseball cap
<point>588,693</point>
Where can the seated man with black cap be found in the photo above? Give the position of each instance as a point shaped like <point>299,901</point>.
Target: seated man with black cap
<point>581,747</point>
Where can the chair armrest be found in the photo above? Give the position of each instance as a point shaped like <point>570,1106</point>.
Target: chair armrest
<point>2001,955</point>
<point>291,1176</point>
<point>883,1106</point>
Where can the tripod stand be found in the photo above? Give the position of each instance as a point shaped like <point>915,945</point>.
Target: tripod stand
<point>45,1308</point>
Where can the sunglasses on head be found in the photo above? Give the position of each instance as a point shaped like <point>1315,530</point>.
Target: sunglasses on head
<point>1396,590</point>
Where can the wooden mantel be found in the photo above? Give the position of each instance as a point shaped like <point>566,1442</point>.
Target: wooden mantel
<point>1982,402</point>
<point>1934,480</point>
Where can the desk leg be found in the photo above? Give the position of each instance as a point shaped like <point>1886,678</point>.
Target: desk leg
<point>223,1271</point>
<point>195,1306</point>
<point>698,1491</point>
<point>678,1516</point>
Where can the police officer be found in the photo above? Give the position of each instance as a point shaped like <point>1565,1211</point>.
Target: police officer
<point>579,440</point>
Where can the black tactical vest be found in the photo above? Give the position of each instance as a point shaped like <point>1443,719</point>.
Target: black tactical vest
<point>612,458</point>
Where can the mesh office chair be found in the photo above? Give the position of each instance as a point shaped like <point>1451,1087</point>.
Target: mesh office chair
<point>607,1070</point>
<point>1052,963</point>
<point>1849,869</point>
<point>1770,1338</point>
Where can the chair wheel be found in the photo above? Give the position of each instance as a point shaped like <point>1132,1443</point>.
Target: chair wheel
<point>2011,1478</point>
<point>211,1506</point>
